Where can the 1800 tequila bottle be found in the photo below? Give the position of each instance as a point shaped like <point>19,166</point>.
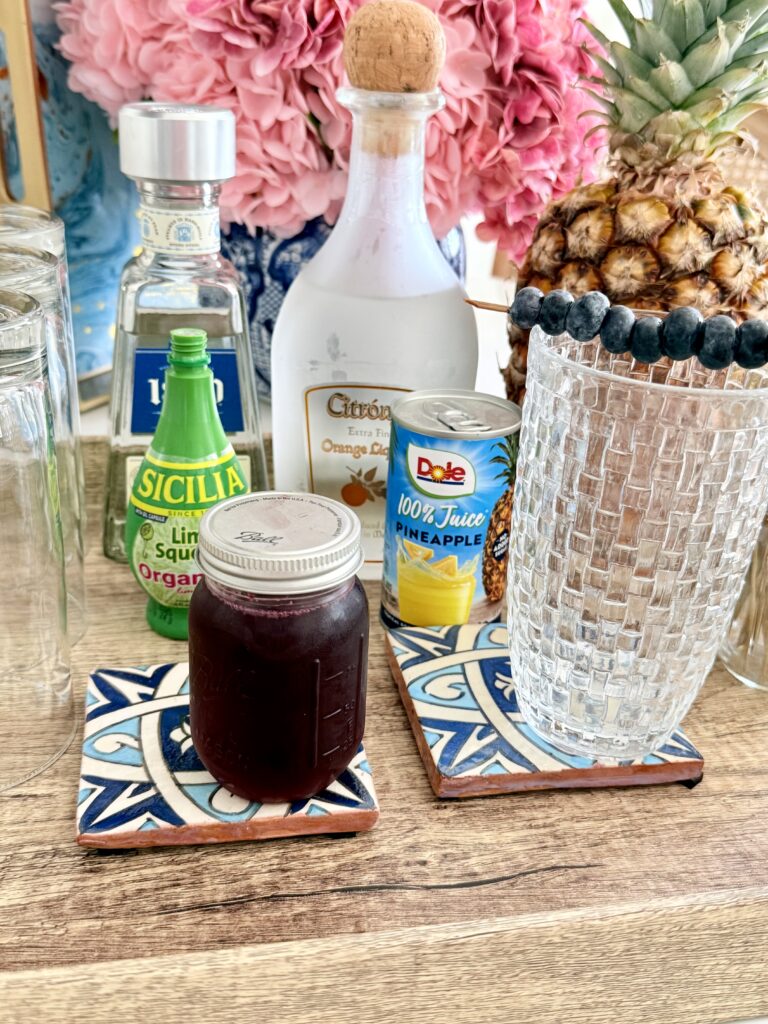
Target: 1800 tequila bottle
<point>178,156</point>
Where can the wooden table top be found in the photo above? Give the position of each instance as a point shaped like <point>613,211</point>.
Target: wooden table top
<point>597,906</point>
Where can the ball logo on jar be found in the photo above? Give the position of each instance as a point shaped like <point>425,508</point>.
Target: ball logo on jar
<point>437,473</point>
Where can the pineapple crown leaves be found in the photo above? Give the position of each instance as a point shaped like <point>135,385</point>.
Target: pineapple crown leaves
<point>692,72</point>
<point>507,458</point>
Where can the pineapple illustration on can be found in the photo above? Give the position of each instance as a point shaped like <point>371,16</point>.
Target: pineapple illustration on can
<point>452,458</point>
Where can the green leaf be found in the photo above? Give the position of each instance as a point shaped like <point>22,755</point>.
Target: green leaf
<point>627,62</point>
<point>599,83</point>
<point>670,79</point>
<point>647,92</point>
<point>596,34</point>
<point>755,44</point>
<point>634,112</point>
<point>736,33</point>
<point>733,118</point>
<point>594,130</point>
<point>735,81</point>
<point>710,109</point>
<point>625,16</point>
<point>751,9</point>
<point>604,102</point>
<point>713,9</point>
<point>611,119</point>
<point>708,60</point>
<point>653,43</point>
<point>754,61</point>
<point>610,73</point>
<point>658,10</point>
<point>683,21</point>
<point>674,123</point>
<point>758,94</point>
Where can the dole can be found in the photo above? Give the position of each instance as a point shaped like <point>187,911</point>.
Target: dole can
<point>450,487</point>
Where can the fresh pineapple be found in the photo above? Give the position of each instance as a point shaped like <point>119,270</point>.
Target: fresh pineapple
<point>667,229</point>
<point>496,547</point>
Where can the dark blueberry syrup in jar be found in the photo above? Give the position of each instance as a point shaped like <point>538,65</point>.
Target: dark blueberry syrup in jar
<point>278,643</point>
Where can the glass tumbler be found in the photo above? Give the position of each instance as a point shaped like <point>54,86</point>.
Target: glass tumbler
<point>36,710</point>
<point>37,229</point>
<point>745,650</point>
<point>640,494</point>
<point>36,273</point>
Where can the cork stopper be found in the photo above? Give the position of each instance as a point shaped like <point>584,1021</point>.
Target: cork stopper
<point>394,46</point>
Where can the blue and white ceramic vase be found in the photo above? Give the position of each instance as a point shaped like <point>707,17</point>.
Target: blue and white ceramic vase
<point>268,266</point>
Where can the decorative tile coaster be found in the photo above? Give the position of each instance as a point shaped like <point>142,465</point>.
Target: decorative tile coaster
<point>142,784</point>
<point>457,689</point>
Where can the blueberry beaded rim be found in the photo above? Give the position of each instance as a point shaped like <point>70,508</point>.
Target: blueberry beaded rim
<point>691,385</point>
<point>717,342</point>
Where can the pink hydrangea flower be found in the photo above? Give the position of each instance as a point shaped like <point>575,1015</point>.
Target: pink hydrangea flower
<point>509,140</point>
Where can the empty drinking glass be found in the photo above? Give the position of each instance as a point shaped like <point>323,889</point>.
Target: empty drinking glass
<point>745,649</point>
<point>36,710</point>
<point>37,229</point>
<point>36,273</point>
<point>640,494</point>
<point>26,225</point>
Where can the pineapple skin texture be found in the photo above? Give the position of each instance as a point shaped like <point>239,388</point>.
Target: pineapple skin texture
<point>692,242</point>
<point>495,572</point>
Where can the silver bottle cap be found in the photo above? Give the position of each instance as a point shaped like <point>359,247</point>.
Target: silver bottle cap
<point>277,542</point>
<point>176,142</point>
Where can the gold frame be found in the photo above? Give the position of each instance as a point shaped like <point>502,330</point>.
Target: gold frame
<point>16,25</point>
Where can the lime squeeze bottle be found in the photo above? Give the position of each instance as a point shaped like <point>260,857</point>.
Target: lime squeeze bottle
<point>189,466</point>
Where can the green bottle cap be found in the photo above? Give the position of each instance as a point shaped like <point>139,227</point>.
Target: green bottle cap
<point>188,347</point>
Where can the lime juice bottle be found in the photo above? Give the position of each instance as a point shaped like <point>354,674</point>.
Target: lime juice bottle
<point>190,466</point>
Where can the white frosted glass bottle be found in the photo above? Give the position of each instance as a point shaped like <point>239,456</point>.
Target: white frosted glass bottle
<point>376,313</point>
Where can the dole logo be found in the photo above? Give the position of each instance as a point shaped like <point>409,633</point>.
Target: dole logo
<point>440,473</point>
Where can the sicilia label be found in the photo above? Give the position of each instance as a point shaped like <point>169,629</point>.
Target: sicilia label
<point>347,429</point>
<point>170,497</point>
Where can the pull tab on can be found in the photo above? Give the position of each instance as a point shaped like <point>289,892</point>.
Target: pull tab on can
<point>457,419</point>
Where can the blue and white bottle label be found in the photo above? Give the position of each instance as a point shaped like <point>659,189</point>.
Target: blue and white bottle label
<point>149,381</point>
<point>180,231</point>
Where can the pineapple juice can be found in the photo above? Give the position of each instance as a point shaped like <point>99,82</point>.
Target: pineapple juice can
<point>452,458</point>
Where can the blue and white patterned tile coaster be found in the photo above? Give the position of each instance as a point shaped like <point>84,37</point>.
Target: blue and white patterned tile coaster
<point>456,685</point>
<point>142,783</point>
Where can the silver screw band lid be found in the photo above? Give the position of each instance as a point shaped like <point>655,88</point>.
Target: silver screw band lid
<point>177,142</point>
<point>277,542</point>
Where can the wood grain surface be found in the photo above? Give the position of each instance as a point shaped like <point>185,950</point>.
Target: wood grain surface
<point>647,905</point>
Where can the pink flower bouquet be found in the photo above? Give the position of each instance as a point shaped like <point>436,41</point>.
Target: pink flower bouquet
<point>509,140</point>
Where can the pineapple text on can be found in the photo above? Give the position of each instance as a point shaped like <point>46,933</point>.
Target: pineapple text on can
<point>444,540</point>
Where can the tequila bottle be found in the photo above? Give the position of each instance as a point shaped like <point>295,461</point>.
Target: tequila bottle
<point>378,311</point>
<point>178,156</point>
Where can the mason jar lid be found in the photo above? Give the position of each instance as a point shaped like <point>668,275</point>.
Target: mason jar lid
<point>277,542</point>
